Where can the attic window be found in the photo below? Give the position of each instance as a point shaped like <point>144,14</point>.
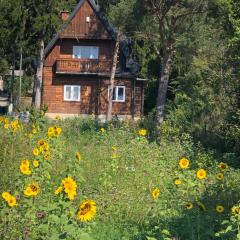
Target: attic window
<point>88,19</point>
<point>85,52</point>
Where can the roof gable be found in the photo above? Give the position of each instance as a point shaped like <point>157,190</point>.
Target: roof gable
<point>77,26</point>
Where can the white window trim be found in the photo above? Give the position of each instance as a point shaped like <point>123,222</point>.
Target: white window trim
<point>91,50</point>
<point>72,87</point>
<point>116,94</point>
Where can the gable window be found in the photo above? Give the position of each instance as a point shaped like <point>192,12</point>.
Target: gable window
<point>118,93</point>
<point>72,93</point>
<point>85,52</point>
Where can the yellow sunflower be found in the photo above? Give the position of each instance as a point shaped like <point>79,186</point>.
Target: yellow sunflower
<point>235,210</point>
<point>12,201</point>
<point>78,156</point>
<point>184,163</point>
<point>70,187</point>
<point>142,132</point>
<point>223,166</point>
<point>87,211</point>
<point>32,190</point>
<point>219,176</point>
<point>58,190</point>
<point>178,182</point>
<point>6,196</point>
<point>47,155</point>
<point>57,131</point>
<point>201,174</point>
<point>219,208</point>
<point>155,193</point>
<point>25,168</point>
<point>50,132</point>
<point>189,205</point>
<point>102,130</point>
<point>36,163</point>
<point>35,152</point>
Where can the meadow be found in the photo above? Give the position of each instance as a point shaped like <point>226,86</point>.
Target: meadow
<point>81,179</point>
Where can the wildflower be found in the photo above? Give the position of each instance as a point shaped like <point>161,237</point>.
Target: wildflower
<point>114,148</point>
<point>25,167</point>
<point>6,196</point>
<point>78,156</point>
<point>178,182</point>
<point>35,152</point>
<point>12,201</point>
<point>47,155</point>
<point>57,131</point>
<point>235,210</point>
<point>142,132</point>
<point>223,166</point>
<point>32,190</point>
<point>58,190</point>
<point>30,135</point>
<point>115,156</point>
<point>41,142</point>
<point>219,208</point>
<point>70,187</point>
<point>6,125</point>
<point>87,211</point>
<point>57,117</point>
<point>183,163</point>
<point>189,205</point>
<point>201,174</point>
<point>34,131</point>
<point>50,132</point>
<point>219,176</point>
<point>36,163</point>
<point>102,130</point>
<point>155,193</point>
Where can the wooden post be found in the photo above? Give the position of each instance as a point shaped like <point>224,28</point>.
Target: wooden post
<point>113,72</point>
<point>20,79</point>
<point>39,77</point>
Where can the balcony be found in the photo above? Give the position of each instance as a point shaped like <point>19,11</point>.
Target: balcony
<point>83,66</point>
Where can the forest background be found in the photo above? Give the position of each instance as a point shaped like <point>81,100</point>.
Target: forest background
<point>203,94</point>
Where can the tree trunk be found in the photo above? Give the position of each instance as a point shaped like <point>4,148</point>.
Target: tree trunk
<point>163,83</point>
<point>39,78</point>
<point>113,72</point>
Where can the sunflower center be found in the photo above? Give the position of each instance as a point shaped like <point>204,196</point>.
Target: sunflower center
<point>85,209</point>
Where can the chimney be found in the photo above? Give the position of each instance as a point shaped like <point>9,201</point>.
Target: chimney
<point>64,15</point>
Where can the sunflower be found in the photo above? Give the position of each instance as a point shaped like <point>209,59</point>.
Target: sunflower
<point>32,190</point>
<point>201,174</point>
<point>219,176</point>
<point>47,155</point>
<point>6,196</point>
<point>50,132</point>
<point>12,201</point>
<point>183,163</point>
<point>57,131</point>
<point>142,132</point>
<point>70,187</point>
<point>223,166</point>
<point>58,190</point>
<point>25,168</point>
<point>35,152</point>
<point>87,211</point>
<point>34,131</point>
<point>114,148</point>
<point>102,130</point>
<point>178,182</point>
<point>155,193</point>
<point>78,156</point>
<point>219,208</point>
<point>235,210</point>
<point>189,205</point>
<point>114,156</point>
<point>36,163</point>
<point>41,142</point>
<point>6,125</point>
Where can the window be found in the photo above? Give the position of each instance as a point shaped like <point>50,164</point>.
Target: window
<point>85,52</point>
<point>71,93</point>
<point>118,93</point>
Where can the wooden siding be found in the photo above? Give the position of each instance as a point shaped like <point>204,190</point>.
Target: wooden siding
<point>80,28</point>
<point>94,95</point>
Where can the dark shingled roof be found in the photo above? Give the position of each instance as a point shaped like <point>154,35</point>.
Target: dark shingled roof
<point>104,21</point>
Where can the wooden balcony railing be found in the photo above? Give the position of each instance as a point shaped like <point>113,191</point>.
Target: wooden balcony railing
<point>83,66</point>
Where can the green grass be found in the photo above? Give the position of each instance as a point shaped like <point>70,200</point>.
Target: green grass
<point>121,185</point>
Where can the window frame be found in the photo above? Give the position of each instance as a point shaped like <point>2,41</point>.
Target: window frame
<point>116,93</point>
<point>72,92</point>
<point>91,52</point>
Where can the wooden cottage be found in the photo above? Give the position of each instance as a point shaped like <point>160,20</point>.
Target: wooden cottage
<point>77,67</point>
